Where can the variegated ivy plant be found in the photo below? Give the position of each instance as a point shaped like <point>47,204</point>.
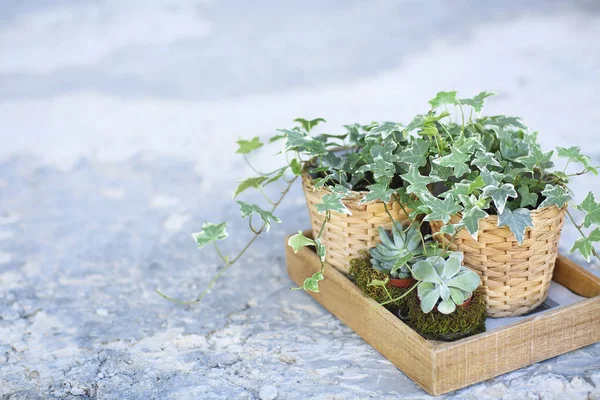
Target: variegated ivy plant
<point>486,164</point>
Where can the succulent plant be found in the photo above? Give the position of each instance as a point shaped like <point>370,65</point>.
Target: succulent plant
<point>444,282</point>
<point>396,250</point>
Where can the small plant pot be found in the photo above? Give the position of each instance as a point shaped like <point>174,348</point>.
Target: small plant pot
<point>363,273</point>
<point>402,283</point>
<point>468,319</point>
<point>515,277</point>
<point>463,305</point>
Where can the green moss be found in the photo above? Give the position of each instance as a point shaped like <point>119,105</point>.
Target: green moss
<point>448,327</point>
<point>363,273</point>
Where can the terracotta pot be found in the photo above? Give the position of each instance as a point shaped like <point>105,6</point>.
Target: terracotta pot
<point>463,305</point>
<point>402,283</point>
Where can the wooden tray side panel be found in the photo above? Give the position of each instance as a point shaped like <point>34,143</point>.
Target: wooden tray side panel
<point>577,279</point>
<point>500,351</point>
<point>405,348</point>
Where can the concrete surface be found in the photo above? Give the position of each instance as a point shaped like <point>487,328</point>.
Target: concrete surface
<point>118,123</point>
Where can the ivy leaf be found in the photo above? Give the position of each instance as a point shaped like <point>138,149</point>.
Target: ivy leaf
<point>380,168</point>
<point>309,124</point>
<point>484,160</point>
<point>573,154</point>
<point>471,219</point>
<point>591,209</point>
<point>536,158</point>
<point>248,209</point>
<point>517,221</point>
<point>210,233</point>
<point>378,191</point>
<point>418,182</point>
<point>299,141</point>
<point>299,241</point>
<point>417,122</point>
<point>527,198</point>
<point>312,283</point>
<point>275,138</point>
<point>321,249</point>
<point>440,210</point>
<point>332,202</point>
<point>415,154</point>
<point>385,129</point>
<point>490,178</point>
<point>595,235</point>
<point>247,146</point>
<point>477,101</point>
<point>585,247</point>
<point>379,282</point>
<point>443,98</point>
<point>556,195</point>
<point>477,183</point>
<point>296,167</point>
<point>439,172</point>
<point>249,183</point>
<point>500,194</point>
<point>457,160</point>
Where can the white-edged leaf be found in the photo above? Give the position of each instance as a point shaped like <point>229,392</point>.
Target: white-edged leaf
<point>517,221</point>
<point>210,233</point>
<point>299,241</point>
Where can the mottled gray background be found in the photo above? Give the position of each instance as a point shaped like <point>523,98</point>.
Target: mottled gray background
<point>118,122</point>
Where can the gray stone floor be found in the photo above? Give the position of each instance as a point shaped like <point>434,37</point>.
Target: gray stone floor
<point>118,123</point>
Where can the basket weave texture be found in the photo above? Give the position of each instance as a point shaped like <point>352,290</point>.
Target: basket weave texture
<point>515,277</point>
<point>346,235</point>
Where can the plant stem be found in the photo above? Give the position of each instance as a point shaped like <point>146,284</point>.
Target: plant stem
<point>228,264</point>
<point>581,232</point>
<point>401,296</point>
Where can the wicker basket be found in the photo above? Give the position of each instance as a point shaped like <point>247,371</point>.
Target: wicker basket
<point>515,277</point>
<point>345,235</point>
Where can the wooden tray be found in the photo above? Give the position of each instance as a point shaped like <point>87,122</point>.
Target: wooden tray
<point>440,367</point>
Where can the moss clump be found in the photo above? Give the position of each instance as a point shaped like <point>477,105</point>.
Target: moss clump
<point>363,273</point>
<point>461,323</point>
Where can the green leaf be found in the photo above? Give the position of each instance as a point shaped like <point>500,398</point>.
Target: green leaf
<point>591,209</point>
<point>321,249</point>
<point>309,124</point>
<point>443,98</point>
<point>248,209</point>
<point>556,195</point>
<point>477,183</point>
<point>415,154</point>
<point>378,191</point>
<point>457,160</point>
<point>536,159</point>
<point>380,168</point>
<point>485,159</point>
<point>584,245</point>
<point>500,194</point>
<point>385,129</point>
<point>471,219</point>
<point>210,233</point>
<point>527,198</point>
<point>312,283</point>
<point>299,241</point>
<point>441,210</point>
<point>418,182</point>
<point>249,183</point>
<point>296,167</point>
<point>517,221</point>
<point>275,138</point>
<point>573,154</point>
<point>490,178</point>
<point>247,146</point>
<point>332,202</point>
<point>595,235</point>
<point>446,306</point>
<point>299,141</point>
<point>477,101</point>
